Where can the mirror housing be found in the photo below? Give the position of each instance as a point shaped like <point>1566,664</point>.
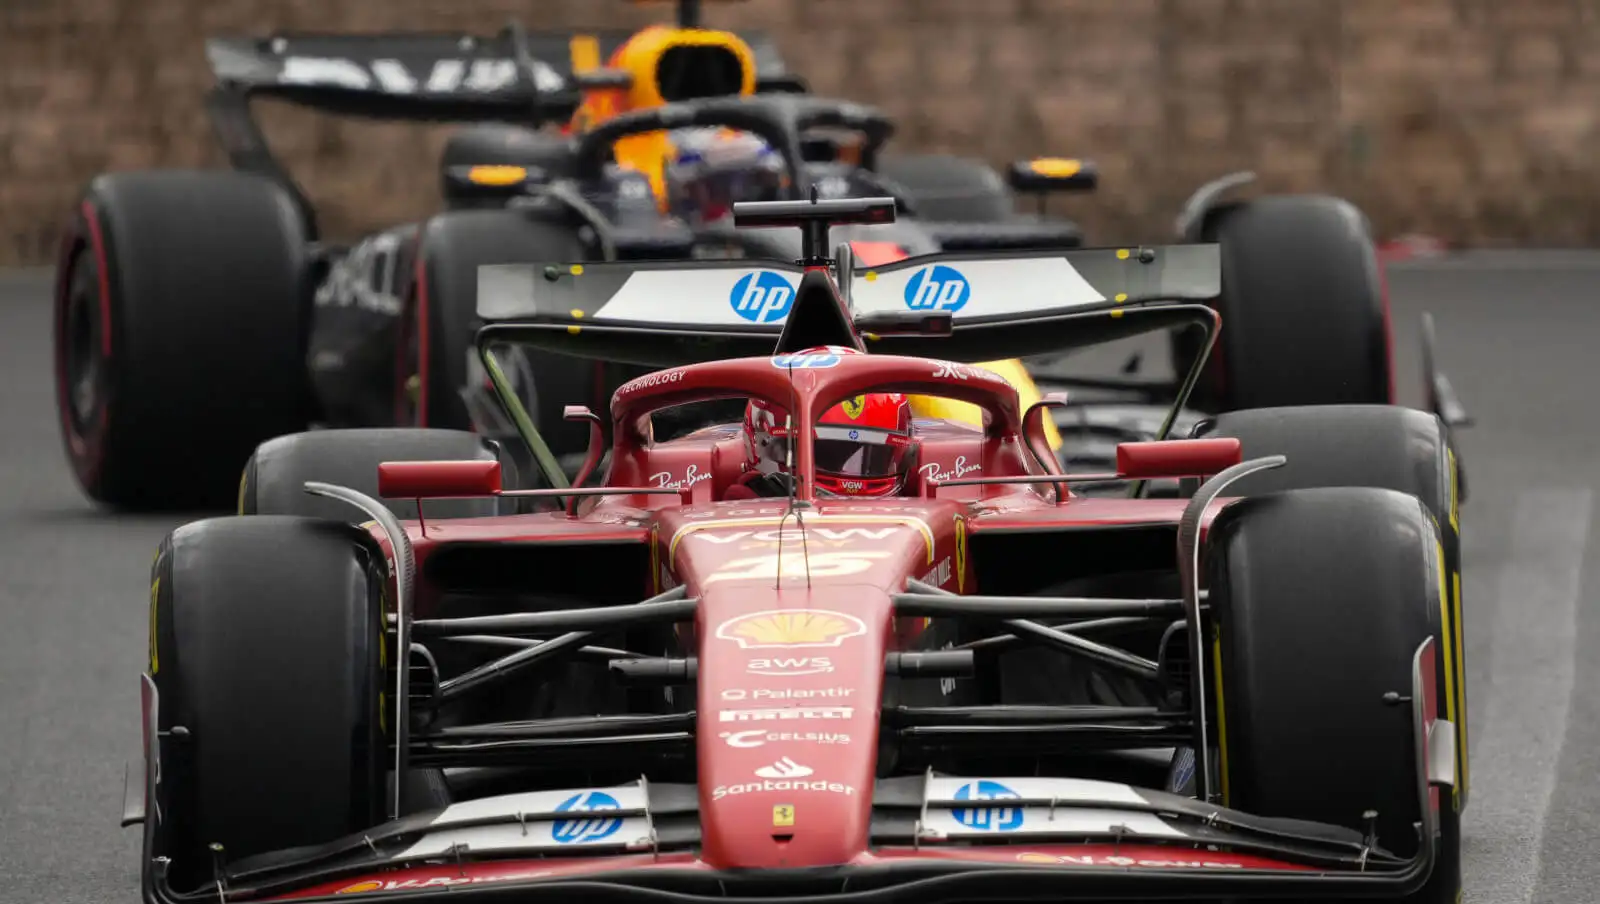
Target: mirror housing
<point>438,479</point>
<point>1050,175</point>
<point>1177,458</point>
<point>491,181</point>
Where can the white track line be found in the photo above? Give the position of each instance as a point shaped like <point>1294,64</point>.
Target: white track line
<point>1522,725</point>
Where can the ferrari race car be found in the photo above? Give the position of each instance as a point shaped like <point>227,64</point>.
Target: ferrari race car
<point>205,310</point>
<point>392,676</point>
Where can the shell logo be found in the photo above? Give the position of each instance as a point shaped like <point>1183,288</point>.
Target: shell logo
<point>791,628</point>
<point>359,887</point>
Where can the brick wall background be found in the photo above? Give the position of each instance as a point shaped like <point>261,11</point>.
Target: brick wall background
<point>1474,120</point>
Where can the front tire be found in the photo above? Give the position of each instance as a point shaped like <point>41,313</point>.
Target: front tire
<point>1318,600</point>
<point>267,647</point>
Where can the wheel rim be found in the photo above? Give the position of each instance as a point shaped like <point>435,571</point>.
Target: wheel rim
<point>84,369</point>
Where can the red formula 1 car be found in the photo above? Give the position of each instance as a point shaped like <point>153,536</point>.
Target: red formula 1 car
<point>876,659</point>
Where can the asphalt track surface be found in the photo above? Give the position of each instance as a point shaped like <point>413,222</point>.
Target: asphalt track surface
<point>1518,333</point>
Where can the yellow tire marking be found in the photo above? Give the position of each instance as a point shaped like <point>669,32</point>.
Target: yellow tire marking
<point>1449,653</point>
<point>1461,689</point>
<point>155,594</point>
<point>1222,719</point>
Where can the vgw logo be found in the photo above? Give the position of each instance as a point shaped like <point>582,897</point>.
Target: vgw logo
<point>762,297</point>
<point>938,288</point>
<point>988,819</point>
<point>575,831</point>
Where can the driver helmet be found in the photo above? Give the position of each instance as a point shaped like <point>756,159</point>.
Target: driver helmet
<point>713,167</point>
<point>863,445</point>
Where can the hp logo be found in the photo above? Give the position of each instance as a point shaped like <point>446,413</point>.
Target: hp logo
<point>575,831</point>
<point>762,297</point>
<point>800,361</point>
<point>938,288</point>
<point>988,819</point>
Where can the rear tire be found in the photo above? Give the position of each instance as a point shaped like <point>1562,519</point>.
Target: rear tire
<point>441,322</point>
<point>267,645</point>
<point>1304,309</point>
<point>1306,645</point>
<point>275,476</point>
<point>179,333</point>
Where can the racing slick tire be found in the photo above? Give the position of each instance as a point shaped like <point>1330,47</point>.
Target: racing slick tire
<point>951,189</point>
<point>1305,315</point>
<point>180,309</point>
<point>438,355</point>
<point>275,476</point>
<point>1384,446</point>
<point>267,651</point>
<point>1319,599</point>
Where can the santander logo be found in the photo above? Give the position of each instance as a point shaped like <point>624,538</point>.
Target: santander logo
<point>784,768</point>
<point>961,469</point>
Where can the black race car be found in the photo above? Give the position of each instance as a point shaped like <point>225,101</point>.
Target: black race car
<point>200,313</point>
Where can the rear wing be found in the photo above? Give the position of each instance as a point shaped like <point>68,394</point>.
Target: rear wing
<point>417,77</point>
<point>430,77</point>
<point>666,314</point>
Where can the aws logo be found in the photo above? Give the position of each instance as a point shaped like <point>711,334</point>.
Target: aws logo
<point>791,628</point>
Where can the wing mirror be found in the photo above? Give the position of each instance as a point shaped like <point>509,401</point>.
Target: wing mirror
<point>1049,175</point>
<point>438,479</point>
<point>1177,458</point>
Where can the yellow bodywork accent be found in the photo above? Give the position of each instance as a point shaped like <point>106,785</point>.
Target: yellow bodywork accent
<point>497,175</point>
<point>1056,167</point>
<point>244,479</point>
<point>647,153</point>
<point>968,413</point>
<point>585,53</point>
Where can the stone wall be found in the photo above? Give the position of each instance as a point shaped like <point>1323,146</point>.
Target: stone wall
<point>1474,120</point>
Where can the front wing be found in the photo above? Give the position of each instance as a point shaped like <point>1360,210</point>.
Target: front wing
<point>936,838</point>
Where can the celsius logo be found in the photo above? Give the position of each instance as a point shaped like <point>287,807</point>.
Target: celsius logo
<point>988,819</point>
<point>937,288</point>
<point>762,297</point>
<point>573,831</point>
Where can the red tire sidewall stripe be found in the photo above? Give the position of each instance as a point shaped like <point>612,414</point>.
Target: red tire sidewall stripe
<point>419,323</point>
<point>87,454</point>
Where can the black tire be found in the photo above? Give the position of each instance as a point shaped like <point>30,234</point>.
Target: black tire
<point>179,334</point>
<point>499,144</point>
<point>1383,446</point>
<point>266,645</point>
<point>276,474</point>
<point>1304,309</point>
<point>1319,599</point>
<point>950,189</point>
<point>452,248</point>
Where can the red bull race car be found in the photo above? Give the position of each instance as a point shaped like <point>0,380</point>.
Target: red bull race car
<point>826,652</point>
<point>209,309</point>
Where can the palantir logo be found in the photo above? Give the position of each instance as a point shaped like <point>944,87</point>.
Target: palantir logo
<point>762,297</point>
<point>938,288</point>
<point>575,831</point>
<point>988,819</point>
